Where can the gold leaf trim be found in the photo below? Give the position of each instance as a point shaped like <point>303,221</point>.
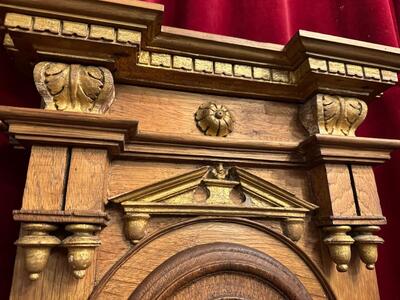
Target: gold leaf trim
<point>15,22</point>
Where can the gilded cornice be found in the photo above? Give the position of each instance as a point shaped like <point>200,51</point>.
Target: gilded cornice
<point>129,40</point>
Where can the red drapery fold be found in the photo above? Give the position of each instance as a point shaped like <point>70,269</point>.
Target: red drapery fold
<point>272,21</point>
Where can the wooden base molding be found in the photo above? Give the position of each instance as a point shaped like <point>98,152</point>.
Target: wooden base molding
<point>61,216</point>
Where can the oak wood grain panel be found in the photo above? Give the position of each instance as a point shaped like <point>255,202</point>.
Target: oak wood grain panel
<point>226,285</point>
<point>294,181</point>
<point>45,182</point>
<point>134,270</point>
<point>167,111</point>
<point>332,189</point>
<point>86,190</point>
<point>87,179</point>
<point>130,175</point>
<point>113,242</point>
<point>367,193</point>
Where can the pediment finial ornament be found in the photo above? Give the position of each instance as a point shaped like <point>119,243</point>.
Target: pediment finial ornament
<point>219,172</point>
<point>225,191</point>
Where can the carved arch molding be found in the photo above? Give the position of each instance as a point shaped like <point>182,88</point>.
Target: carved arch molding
<point>210,246</point>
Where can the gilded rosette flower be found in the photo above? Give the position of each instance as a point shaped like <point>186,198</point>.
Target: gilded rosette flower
<point>214,119</point>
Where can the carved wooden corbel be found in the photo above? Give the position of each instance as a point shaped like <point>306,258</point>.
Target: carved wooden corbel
<point>339,245</point>
<point>333,115</point>
<point>367,244</point>
<point>293,228</point>
<point>81,246</point>
<point>37,244</point>
<point>74,87</point>
<point>135,226</point>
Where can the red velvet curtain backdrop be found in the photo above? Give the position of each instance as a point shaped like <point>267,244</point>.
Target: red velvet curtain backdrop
<point>273,21</point>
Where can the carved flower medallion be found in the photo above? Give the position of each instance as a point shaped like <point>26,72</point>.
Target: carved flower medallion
<point>214,119</point>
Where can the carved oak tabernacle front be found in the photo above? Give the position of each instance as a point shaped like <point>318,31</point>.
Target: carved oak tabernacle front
<point>169,164</point>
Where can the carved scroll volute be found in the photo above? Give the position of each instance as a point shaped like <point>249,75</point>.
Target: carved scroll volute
<point>74,87</point>
<point>37,244</point>
<point>334,115</point>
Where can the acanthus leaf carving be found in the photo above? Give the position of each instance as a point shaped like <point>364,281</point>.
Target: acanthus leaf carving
<point>74,87</point>
<point>333,115</point>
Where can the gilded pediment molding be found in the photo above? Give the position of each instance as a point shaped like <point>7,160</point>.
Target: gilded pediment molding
<point>237,188</point>
<point>217,191</point>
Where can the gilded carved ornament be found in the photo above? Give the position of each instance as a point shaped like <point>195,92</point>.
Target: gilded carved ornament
<point>81,246</point>
<point>339,246</point>
<point>333,115</point>
<point>37,244</point>
<point>71,29</point>
<point>74,87</point>
<point>367,244</point>
<point>293,228</point>
<point>212,191</point>
<point>214,119</point>
<point>135,226</point>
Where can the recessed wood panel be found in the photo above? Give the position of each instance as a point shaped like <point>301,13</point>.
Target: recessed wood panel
<point>172,112</point>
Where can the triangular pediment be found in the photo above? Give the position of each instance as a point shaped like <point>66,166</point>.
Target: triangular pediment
<point>213,191</point>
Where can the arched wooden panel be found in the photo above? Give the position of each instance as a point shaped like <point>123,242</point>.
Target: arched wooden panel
<point>132,269</point>
<point>221,271</point>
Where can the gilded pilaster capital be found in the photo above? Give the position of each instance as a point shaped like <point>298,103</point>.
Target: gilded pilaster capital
<point>74,87</point>
<point>332,115</point>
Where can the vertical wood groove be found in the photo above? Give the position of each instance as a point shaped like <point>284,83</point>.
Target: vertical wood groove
<point>66,176</point>
<point>354,189</point>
